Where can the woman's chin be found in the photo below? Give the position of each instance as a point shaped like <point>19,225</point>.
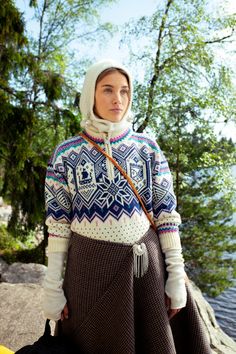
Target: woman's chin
<point>112,119</point>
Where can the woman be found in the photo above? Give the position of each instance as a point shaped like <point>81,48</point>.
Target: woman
<point>108,302</point>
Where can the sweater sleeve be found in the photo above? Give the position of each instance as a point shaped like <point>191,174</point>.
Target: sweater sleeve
<point>165,215</point>
<point>58,205</point>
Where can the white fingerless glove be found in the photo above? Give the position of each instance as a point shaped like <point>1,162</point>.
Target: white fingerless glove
<point>175,287</point>
<point>53,296</point>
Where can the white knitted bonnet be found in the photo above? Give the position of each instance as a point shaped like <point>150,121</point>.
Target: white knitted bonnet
<point>88,90</point>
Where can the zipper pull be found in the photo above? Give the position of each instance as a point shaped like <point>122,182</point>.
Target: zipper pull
<point>106,138</point>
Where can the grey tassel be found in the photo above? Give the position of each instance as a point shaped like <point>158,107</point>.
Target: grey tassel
<point>140,260</point>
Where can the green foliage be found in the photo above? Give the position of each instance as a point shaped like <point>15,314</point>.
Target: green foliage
<point>15,250</point>
<point>184,94</point>
<point>205,192</point>
<point>12,39</point>
<point>52,85</point>
<point>37,96</point>
<point>6,241</point>
<point>29,255</point>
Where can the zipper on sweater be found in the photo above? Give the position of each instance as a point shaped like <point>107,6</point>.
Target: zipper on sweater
<point>110,166</point>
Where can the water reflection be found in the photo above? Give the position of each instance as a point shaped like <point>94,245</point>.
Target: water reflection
<point>224,306</point>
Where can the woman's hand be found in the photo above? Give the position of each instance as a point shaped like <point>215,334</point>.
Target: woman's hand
<point>65,313</point>
<point>171,312</point>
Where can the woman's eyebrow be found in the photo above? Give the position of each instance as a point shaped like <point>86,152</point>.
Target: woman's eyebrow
<point>124,86</point>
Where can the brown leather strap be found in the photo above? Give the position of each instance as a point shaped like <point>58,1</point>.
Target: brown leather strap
<point>124,174</point>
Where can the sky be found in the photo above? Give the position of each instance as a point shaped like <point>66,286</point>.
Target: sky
<point>122,11</point>
<point>119,13</point>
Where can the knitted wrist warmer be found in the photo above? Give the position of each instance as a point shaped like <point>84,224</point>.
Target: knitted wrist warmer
<point>175,285</point>
<point>53,296</point>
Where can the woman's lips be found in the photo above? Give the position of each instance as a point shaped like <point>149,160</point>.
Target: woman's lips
<point>116,110</point>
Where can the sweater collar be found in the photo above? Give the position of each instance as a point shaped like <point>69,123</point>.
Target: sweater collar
<point>102,129</point>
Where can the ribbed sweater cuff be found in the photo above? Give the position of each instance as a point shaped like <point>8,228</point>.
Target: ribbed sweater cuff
<point>169,240</point>
<point>57,244</point>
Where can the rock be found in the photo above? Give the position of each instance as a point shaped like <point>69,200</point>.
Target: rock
<point>3,267</point>
<point>221,343</point>
<point>24,273</point>
<point>5,212</point>
<point>22,320</point>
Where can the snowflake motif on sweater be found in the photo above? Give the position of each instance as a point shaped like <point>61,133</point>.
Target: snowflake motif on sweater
<point>80,190</point>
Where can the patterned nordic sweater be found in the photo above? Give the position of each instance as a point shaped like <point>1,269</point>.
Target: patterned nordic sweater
<point>86,194</point>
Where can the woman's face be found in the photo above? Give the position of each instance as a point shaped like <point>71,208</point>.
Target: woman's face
<point>112,97</point>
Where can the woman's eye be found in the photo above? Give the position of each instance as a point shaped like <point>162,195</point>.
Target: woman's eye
<point>107,90</point>
<point>124,92</point>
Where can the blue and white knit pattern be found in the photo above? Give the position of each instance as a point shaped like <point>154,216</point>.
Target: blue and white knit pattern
<point>79,191</point>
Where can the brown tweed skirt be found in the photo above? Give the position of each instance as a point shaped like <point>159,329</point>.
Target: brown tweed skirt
<point>113,312</point>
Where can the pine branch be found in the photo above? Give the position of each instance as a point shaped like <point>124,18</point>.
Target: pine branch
<point>5,157</point>
<point>28,101</point>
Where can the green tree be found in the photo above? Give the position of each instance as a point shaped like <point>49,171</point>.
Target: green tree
<point>202,166</point>
<point>38,95</point>
<point>185,92</point>
<point>12,63</point>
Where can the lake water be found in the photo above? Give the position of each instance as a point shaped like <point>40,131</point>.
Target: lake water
<point>224,306</point>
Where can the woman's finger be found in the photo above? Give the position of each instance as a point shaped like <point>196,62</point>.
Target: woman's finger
<point>172,313</point>
<point>167,302</point>
<point>65,313</point>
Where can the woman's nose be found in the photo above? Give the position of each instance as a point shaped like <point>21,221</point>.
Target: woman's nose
<point>117,98</point>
